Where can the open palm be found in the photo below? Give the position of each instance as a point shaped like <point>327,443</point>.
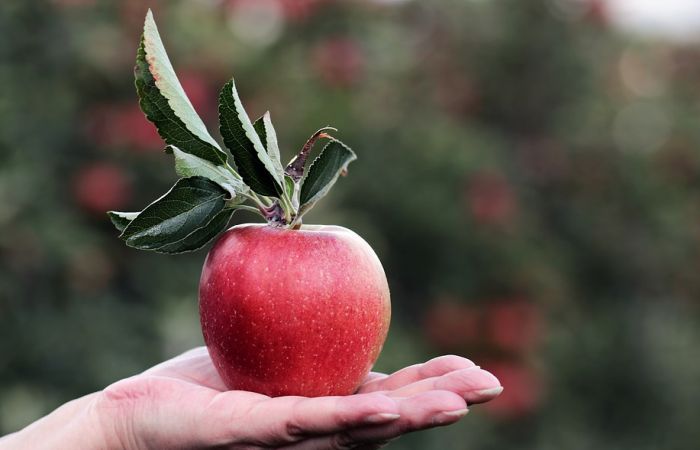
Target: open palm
<point>183,404</point>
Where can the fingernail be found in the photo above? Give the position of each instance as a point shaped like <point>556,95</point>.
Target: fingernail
<point>491,392</point>
<point>381,418</point>
<point>482,395</point>
<point>449,416</point>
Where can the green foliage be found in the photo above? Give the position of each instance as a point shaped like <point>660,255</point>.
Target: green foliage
<point>121,220</point>
<point>165,103</point>
<point>255,152</point>
<point>259,126</point>
<point>252,161</point>
<point>270,143</point>
<point>323,173</point>
<point>201,235</point>
<point>188,165</point>
<point>181,219</point>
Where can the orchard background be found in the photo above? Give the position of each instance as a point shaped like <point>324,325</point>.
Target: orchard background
<point>528,173</point>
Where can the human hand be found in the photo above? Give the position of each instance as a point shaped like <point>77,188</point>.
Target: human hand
<point>183,403</point>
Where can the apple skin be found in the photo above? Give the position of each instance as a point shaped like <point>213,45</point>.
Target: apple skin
<point>293,312</point>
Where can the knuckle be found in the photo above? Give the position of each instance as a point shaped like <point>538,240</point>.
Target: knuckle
<point>123,391</point>
<point>138,390</point>
<point>407,426</point>
<point>292,431</point>
<point>119,400</point>
<point>448,362</point>
<point>338,414</point>
<point>342,441</point>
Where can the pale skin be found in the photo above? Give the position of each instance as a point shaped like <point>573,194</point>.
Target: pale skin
<point>183,404</point>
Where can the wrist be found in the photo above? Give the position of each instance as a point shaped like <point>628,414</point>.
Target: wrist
<point>77,424</point>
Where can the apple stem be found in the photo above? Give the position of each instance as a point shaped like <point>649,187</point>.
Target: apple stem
<point>248,208</point>
<point>275,214</point>
<point>255,199</point>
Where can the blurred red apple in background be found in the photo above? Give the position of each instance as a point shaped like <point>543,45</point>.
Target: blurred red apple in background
<point>101,187</point>
<point>122,126</point>
<point>597,12</point>
<point>298,10</point>
<point>523,389</point>
<point>339,61</point>
<point>513,324</point>
<point>125,125</point>
<point>200,93</point>
<point>490,199</point>
<point>449,324</point>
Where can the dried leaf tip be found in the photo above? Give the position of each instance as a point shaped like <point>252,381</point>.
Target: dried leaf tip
<point>295,168</point>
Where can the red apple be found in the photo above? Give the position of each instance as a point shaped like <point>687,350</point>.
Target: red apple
<point>298,10</point>
<point>339,62</point>
<point>597,12</point>
<point>490,199</point>
<point>524,389</point>
<point>452,325</point>
<point>122,126</point>
<point>101,186</point>
<point>293,312</point>
<point>514,325</point>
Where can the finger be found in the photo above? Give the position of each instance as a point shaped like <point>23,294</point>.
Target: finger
<point>433,368</point>
<point>474,384</point>
<point>418,412</point>
<point>425,410</point>
<point>285,420</point>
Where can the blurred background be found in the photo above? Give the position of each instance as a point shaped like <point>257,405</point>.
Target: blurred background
<point>528,172</point>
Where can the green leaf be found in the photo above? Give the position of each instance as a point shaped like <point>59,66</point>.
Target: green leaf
<point>264,128</point>
<point>273,149</point>
<point>120,220</point>
<point>260,129</point>
<point>323,173</point>
<point>165,103</point>
<point>252,161</point>
<point>187,208</point>
<point>200,237</point>
<point>289,186</point>
<point>188,165</point>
